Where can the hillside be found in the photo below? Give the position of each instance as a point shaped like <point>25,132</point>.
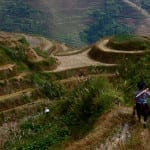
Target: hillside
<point>85,95</point>
<point>66,20</point>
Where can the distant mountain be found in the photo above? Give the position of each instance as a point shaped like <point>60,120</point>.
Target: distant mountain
<point>65,20</point>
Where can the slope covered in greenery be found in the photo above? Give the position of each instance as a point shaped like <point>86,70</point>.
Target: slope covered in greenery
<point>19,16</point>
<point>105,23</point>
<point>77,98</point>
<point>129,42</point>
<point>23,57</point>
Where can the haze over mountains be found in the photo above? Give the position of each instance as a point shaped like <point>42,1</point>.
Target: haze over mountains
<point>65,20</point>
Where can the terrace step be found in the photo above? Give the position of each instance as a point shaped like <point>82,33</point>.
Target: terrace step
<point>7,71</point>
<point>14,95</point>
<point>19,112</point>
<point>27,97</point>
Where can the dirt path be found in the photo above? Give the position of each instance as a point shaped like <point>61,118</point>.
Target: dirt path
<point>77,61</point>
<point>104,125</point>
<point>115,130</point>
<point>7,67</point>
<point>84,78</point>
<point>82,59</point>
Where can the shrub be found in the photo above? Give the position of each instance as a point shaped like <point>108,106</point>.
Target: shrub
<point>46,64</point>
<point>129,42</point>
<point>49,88</point>
<point>41,52</point>
<point>23,41</point>
<point>72,116</point>
<point>130,73</point>
<point>52,90</point>
<point>86,102</point>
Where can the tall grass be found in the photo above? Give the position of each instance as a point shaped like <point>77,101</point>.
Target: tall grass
<point>71,117</point>
<point>129,42</point>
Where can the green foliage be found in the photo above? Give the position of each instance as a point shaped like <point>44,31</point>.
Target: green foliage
<point>22,67</point>
<point>85,103</point>
<point>4,58</point>
<point>24,41</point>
<point>105,23</point>
<point>71,117</point>
<point>130,73</point>
<point>19,16</point>
<point>26,98</point>
<point>49,88</point>
<point>36,79</point>
<point>48,140</point>
<point>29,125</point>
<point>45,64</point>
<point>41,52</point>
<point>122,37</point>
<point>133,72</point>
<point>129,42</point>
<point>52,90</point>
<point>16,54</point>
<point>95,91</point>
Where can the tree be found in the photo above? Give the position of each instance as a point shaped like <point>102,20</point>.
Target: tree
<point>105,23</point>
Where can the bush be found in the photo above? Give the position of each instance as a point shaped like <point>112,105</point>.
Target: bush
<point>46,64</point>
<point>24,41</point>
<point>72,116</point>
<point>47,87</point>
<point>88,100</point>
<point>129,42</point>
<point>130,73</point>
<point>52,90</point>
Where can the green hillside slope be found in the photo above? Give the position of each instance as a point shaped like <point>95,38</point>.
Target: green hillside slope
<point>65,20</point>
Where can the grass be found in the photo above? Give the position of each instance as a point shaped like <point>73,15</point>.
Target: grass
<point>134,142</point>
<point>5,74</point>
<point>83,71</point>
<point>123,38</point>
<point>20,112</point>
<point>46,64</point>
<point>129,42</point>
<point>113,57</point>
<point>41,52</point>
<point>14,85</point>
<point>18,56</point>
<point>75,112</point>
<point>19,100</point>
<point>23,41</point>
<point>4,58</point>
<point>22,67</point>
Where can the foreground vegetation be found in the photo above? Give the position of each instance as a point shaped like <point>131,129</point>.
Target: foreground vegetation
<point>73,111</point>
<point>130,73</point>
<point>70,117</point>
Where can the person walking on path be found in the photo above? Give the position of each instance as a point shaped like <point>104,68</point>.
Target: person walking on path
<point>141,103</point>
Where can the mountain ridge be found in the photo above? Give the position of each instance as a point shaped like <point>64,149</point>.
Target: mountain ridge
<point>64,20</point>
